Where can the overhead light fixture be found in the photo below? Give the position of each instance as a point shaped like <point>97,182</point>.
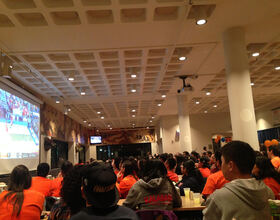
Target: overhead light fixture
<point>197,102</point>
<point>133,110</point>
<point>89,124</point>
<point>133,75</point>
<point>133,90</point>
<point>159,104</point>
<point>133,116</point>
<point>102,117</point>
<point>98,113</point>
<point>215,106</point>
<point>153,117</point>
<point>151,121</point>
<point>65,112</point>
<point>82,91</point>
<point>148,127</point>
<point>205,111</point>
<point>277,68</point>
<point>256,54</point>
<point>163,96</point>
<point>111,128</point>
<point>252,83</point>
<point>71,77</point>
<point>57,101</point>
<point>182,58</point>
<point>208,93</point>
<point>85,121</point>
<point>201,21</point>
<point>133,124</point>
<point>11,66</point>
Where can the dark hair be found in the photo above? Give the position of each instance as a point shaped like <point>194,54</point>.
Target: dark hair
<point>71,189</point>
<point>195,154</point>
<point>66,167</point>
<point>163,157</point>
<point>209,153</point>
<point>171,163</point>
<point>193,172</point>
<point>20,179</point>
<point>43,169</point>
<point>242,154</point>
<point>128,168</point>
<point>274,149</point>
<point>154,168</point>
<point>205,162</point>
<point>204,148</point>
<point>266,169</point>
<point>218,156</point>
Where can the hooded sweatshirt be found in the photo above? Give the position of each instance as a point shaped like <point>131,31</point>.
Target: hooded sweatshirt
<point>158,193</point>
<point>240,199</point>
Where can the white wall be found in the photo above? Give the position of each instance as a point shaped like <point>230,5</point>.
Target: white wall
<point>264,119</point>
<point>92,151</point>
<point>203,127</point>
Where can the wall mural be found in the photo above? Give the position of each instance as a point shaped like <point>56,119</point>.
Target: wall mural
<point>59,126</point>
<point>127,136</point>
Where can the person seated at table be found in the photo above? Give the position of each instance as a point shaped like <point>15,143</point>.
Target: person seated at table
<point>56,183</point>
<point>203,167</point>
<point>99,190</point>
<point>171,164</point>
<point>129,178</point>
<point>273,154</point>
<point>215,180</point>
<point>244,197</point>
<point>154,191</point>
<point>191,178</point>
<point>71,201</point>
<point>40,183</point>
<point>213,164</point>
<point>19,202</point>
<point>264,170</point>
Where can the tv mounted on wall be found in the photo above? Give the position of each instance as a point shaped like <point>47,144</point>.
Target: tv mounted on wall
<point>95,140</point>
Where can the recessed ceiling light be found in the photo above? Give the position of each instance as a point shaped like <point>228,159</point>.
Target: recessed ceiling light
<point>133,90</point>
<point>208,93</point>
<point>197,102</point>
<point>71,78</point>
<point>182,58</point>
<point>111,128</point>
<point>151,121</point>
<point>277,68</point>
<point>69,109</point>
<point>133,110</point>
<point>256,54</point>
<point>215,106</point>
<point>102,117</point>
<point>201,21</point>
<point>133,124</point>
<point>147,127</point>
<point>163,96</point>
<point>83,93</point>
<point>205,111</point>
<point>133,116</point>
<point>85,121</point>
<point>159,104</point>
<point>252,84</point>
<point>133,75</point>
<point>57,101</point>
<point>11,66</point>
<point>153,117</point>
<point>98,113</point>
<point>89,124</point>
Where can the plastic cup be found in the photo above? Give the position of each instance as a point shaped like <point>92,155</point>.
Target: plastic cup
<point>187,192</point>
<point>196,198</point>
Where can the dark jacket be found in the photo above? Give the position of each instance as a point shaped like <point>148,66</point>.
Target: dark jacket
<point>158,193</point>
<point>196,185</point>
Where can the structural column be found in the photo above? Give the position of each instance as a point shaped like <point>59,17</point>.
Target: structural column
<point>239,90</point>
<point>184,123</point>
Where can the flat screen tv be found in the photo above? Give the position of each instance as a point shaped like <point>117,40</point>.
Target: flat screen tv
<point>95,140</point>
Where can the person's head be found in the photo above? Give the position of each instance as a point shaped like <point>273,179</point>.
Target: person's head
<point>127,168</point>
<point>204,148</point>
<point>99,186</point>
<point>272,151</point>
<point>66,167</point>
<point>204,162</point>
<point>188,167</point>
<point>209,153</point>
<point>263,168</point>
<point>186,154</point>
<point>43,169</point>
<point>218,158</point>
<point>153,169</point>
<point>238,159</point>
<point>71,188</point>
<point>163,157</point>
<point>20,179</point>
<point>170,163</point>
<point>195,154</point>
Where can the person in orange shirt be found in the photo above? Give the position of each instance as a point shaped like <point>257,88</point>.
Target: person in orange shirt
<point>264,170</point>
<point>215,180</point>
<point>19,202</point>
<point>273,154</point>
<point>170,165</point>
<point>129,178</point>
<point>40,183</point>
<point>203,167</point>
<point>56,183</point>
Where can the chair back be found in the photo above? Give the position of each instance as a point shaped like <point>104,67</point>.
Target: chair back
<point>156,214</point>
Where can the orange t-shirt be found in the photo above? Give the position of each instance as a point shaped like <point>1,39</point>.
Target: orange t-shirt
<point>276,162</point>
<point>273,185</point>
<point>173,176</point>
<point>56,186</point>
<point>205,172</point>
<point>125,185</point>
<point>42,185</point>
<point>31,208</point>
<point>214,181</point>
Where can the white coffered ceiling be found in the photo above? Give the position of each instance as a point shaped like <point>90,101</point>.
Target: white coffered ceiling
<point>102,42</point>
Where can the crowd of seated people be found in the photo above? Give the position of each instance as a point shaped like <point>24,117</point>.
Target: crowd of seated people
<point>92,190</point>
